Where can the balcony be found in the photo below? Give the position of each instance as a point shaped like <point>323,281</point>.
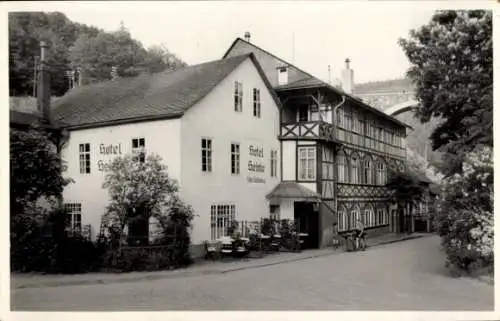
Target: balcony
<point>314,130</point>
<point>321,130</point>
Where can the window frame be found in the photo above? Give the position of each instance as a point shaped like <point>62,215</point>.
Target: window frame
<point>238,97</point>
<point>256,103</point>
<point>221,217</point>
<point>74,210</point>
<point>274,163</point>
<point>84,158</point>
<point>307,159</point>
<point>206,155</point>
<point>139,151</point>
<point>235,158</point>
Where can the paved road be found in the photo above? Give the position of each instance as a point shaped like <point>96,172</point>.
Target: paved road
<point>401,276</point>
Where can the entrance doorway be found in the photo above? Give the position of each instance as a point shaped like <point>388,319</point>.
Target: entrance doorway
<point>308,220</point>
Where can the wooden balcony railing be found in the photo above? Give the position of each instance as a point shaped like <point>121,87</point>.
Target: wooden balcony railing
<point>308,130</point>
<point>320,130</point>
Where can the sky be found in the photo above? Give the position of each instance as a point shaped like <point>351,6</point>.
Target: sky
<point>310,35</point>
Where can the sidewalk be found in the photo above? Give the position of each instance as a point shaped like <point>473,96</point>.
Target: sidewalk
<point>19,281</point>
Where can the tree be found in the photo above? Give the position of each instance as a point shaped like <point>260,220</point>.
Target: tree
<point>452,66</point>
<point>35,169</point>
<point>139,191</point>
<point>465,213</point>
<point>406,188</point>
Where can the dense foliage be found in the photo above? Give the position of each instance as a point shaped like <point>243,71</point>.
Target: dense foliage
<point>36,169</point>
<point>140,192</point>
<point>75,46</point>
<point>39,241</point>
<point>465,213</point>
<point>452,67</point>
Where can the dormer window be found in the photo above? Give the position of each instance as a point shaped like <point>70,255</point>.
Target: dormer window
<point>282,75</point>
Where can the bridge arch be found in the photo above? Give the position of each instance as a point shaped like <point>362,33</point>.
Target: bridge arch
<point>402,107</point>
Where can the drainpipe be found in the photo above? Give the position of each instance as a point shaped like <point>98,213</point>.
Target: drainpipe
<point>334,116</point>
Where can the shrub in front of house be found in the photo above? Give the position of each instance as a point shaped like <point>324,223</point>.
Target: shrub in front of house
<point>41,243</point>
<point>465,215</point>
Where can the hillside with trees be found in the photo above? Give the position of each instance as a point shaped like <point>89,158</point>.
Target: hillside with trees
<point>93,52</point>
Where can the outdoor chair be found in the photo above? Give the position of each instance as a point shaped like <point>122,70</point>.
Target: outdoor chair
<point>212,250</point>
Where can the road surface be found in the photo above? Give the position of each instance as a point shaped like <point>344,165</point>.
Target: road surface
<point>402,276</point>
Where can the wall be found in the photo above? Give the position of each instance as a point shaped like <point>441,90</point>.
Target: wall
<point>161,137</point>
<point>214,117</point>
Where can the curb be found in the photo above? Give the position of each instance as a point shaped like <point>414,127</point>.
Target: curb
<point>185,274</point>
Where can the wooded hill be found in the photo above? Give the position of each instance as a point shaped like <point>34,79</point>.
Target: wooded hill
<point>74,46</point>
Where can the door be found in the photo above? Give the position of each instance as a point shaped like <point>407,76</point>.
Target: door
<point>308,220</point>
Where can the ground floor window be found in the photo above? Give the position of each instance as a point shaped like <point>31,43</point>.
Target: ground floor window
<point>381,217</point>
<point>370,218</point>
<point>74,211</point>
<point>221,217</point>
<point>343,221</point>
<point>355,216</point>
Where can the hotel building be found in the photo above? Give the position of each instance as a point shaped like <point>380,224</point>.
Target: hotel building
<point>245,136</point>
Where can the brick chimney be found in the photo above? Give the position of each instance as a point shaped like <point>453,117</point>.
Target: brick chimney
<point>347,78</point>
<point>43,92</point>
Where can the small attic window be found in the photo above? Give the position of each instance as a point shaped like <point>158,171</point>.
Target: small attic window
<point>282,75</point>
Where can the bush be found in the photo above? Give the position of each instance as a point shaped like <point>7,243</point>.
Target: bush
<point>39,243</point>
<point>465,214</point>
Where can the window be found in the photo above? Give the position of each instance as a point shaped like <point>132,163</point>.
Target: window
<point>256,102</point>
<point>307,161</point>
<point>348,120</point>
<point>342,169</point>
<point>355,216</point>
<point>85,158</point>
<point>138,149</point>
<point>235,159</point>
<point>238,96</point>
<point>74,211</point>
<point>274,163</point>
<point>369,217</point>
<point>381,173</point>
<point>354,170</point>
<point>340,117</point>
<point>380,219</point>
<point>368,172</point>
<point>221,217</point>
<point>343,220</point>
<point>206,155</point>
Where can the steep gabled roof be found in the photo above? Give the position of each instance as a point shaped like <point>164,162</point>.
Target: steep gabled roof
<point>309,81</point>
<point>162,95</point>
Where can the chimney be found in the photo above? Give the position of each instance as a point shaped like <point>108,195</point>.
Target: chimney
<point>347,78</point>
<point>282,75</point>
<point>247,36</point>
<point>43,90</point>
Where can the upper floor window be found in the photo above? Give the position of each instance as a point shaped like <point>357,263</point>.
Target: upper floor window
<point>206,155</point>
<point>307,162</point>
<point>238,96</point>
<point>354,169</point>
<point>348,120</point>
<point>84,158</point>
<point>235,159</point>
<point>368,172</point>
<point>256,102</point>
<point>74,211</point>
<point>274,163</point>
<point>138,149</point>
<point>381,173</point>
<point>342,172</point>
